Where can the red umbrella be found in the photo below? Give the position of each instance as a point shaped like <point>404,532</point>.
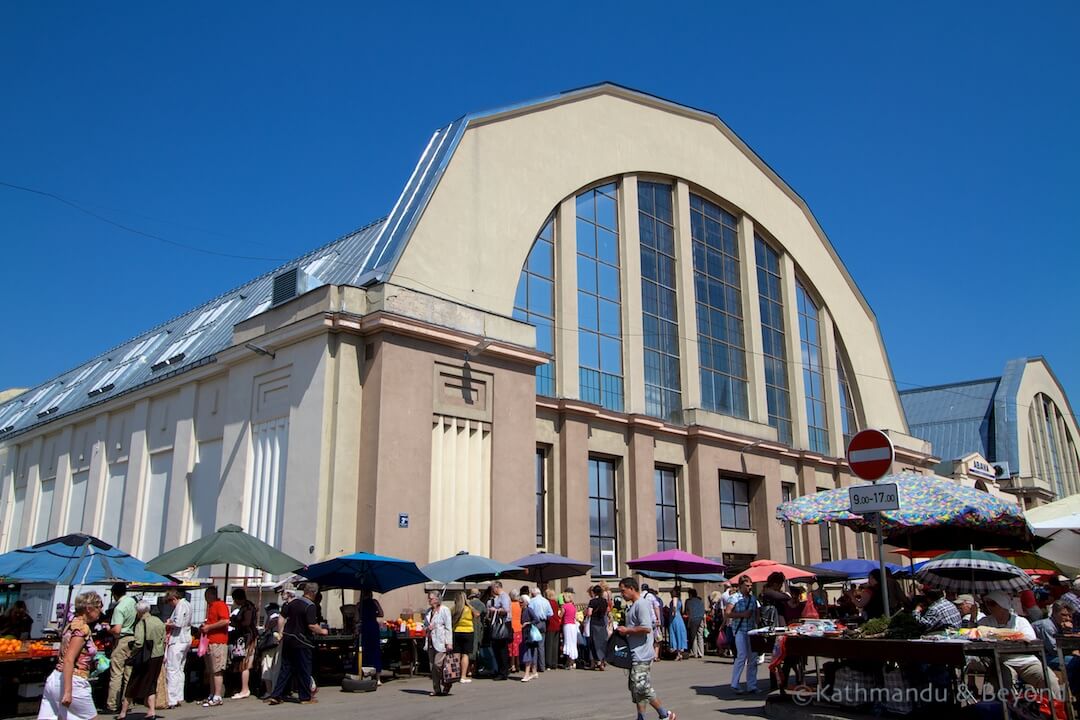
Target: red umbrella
<point>760,570</point>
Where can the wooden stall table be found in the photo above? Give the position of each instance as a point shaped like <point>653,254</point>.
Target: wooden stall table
<point>952,653</point>
<point>1067,645</point>
<point>332,655</point>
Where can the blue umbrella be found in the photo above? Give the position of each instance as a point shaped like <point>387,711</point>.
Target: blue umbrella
<point>854,567</point>
<point>365,571</point>
<point>75,560</point>
<point>910,571</point>
<point>544,567</point>
<point>466,568</point>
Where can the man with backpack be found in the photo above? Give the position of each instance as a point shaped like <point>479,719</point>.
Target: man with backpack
<point>744,615</point>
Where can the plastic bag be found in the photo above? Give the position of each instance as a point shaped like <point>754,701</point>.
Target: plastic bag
<point>204,644</point>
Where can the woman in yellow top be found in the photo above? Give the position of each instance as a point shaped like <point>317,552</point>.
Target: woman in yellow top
<point>463,619</point>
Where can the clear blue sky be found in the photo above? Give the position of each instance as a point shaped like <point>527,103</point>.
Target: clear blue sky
<point>936,143</point>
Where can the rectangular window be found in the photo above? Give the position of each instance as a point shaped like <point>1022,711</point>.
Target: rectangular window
<point>787,493</point>
<point>734,504</point>
<point>660,314</point>
<point>541,499</point>
<point>774,345</point>
<point>600,373</point>
<point>718,295</point>
<point>667,510</point>
<point>602,522</point>
<point>817,421</point>
<point>826,541</point>
<point>860,547</point>
<point>534,302</point>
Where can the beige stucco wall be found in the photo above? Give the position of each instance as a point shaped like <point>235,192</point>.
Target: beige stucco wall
<point>509,173</point>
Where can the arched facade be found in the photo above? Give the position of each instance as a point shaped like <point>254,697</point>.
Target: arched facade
<point>600,316</point>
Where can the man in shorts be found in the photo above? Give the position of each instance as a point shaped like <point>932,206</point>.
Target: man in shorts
<point>216,629</point>
<point>638,632</point>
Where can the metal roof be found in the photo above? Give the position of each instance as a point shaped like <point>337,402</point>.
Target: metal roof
<point>184,342</point>
<point>365,256</point>
<point>955,418</point>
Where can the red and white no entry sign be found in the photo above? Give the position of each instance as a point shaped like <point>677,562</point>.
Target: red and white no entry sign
<point>870,454</point>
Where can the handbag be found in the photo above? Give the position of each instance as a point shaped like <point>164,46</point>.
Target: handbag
<point>618,652</point>
<point>451,668</point>
<point>500,629</point>
<point>239,648</point>
<point>534,634</point>
<point>141,657</point>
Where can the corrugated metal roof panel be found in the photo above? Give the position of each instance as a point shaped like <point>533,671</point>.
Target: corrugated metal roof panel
<point>181,343</point>
<point>954,418</point>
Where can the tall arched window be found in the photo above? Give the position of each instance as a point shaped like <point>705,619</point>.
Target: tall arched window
<point>721,343</point>
<point>847,402</point>
<point>534,302</point>
<point>660,315</point>
<point>600,373</point>
<point>773,343</point>
<point>817,420</point>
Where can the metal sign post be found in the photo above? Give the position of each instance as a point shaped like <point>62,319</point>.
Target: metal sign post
<point>870,455</point>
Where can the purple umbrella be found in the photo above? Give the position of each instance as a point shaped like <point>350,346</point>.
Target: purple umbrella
<point>544,567</point>
<point>677,562</point>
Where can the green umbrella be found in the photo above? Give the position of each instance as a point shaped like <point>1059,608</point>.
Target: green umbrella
<point>230,545</point>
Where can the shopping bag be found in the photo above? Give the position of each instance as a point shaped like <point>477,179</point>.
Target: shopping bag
<point>618,652</point>
<point>451,668</point>
<point>204,644</point>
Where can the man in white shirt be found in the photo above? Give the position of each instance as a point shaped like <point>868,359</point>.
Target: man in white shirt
<point>970,614</point>
<point>178,642</point>
<point>541,609</point>
<point>999,614</point>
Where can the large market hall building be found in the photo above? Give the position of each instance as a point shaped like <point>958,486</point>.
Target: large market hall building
<point>597,324</point>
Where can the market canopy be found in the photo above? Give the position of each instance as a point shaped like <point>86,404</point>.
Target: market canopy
<point>365,571</point>
<point>467,568</point>
<point>544,567</point>
<point>230,545</point>
<point>934,513</point>
<point>75,559</point>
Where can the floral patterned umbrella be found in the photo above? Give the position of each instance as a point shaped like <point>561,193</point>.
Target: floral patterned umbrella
<point>934,512</point>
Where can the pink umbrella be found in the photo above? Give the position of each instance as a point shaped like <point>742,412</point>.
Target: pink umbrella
<point>677,562</point>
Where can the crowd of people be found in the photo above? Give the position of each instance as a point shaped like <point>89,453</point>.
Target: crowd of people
<point>499,631</point>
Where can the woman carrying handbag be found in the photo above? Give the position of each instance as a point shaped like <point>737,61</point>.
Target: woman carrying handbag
<point>439,628</point>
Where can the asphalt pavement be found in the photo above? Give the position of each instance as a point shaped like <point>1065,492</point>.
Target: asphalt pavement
<point>692,688</point>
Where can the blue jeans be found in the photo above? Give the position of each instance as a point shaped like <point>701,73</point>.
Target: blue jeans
<point>744,658</point>
<point>295,666</point>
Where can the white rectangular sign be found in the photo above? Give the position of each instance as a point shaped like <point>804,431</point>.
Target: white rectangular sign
<point>873,498</point>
